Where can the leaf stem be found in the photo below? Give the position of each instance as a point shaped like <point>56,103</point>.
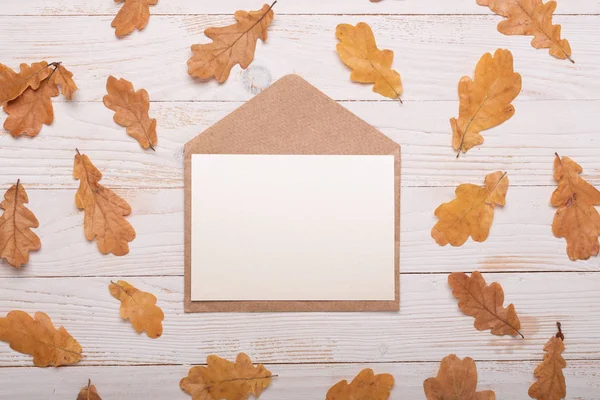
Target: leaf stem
<point>559,334</point>
<point>76,149</point>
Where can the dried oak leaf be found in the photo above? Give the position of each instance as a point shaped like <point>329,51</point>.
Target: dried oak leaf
<point>485,303</point>
<point>38,337</point>
<point>89,392</point>
<point>222,379</point>
<point>64,78</point>
<point>13,84</point>
<point>577,220</point>
<point>551,384</point>
<point>231,45</point>
<point>138,307</point>
<point>133,15</point>
<point>456,380</point>
<point>358,50</point>
<point>16,237</point>
<point>531,18</point>
<point>472,211</point>
<point>131,110</point>
<point>365,386</point>
<point>485,100</point>
<point>105,212</point>
<point>28,112</point>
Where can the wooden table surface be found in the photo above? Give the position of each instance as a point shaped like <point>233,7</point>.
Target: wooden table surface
<point>435,43</point>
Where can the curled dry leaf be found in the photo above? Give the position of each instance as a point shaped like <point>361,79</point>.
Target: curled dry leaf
<point>138,307</point>
<point>365,386</point>
<point>105,212</point>
<point>16,237</point>
<point>472,211</point>
<point>456,380</point>
<point>133,15</point>
<point>485,100</point>
<point>131,110</point>
<point>485,303</point>
<point>28,112</point>
<point>13,84</point>
<point>64,78</point>
<point>358,50</point>
<point>551,384</point>
<point>576,219</point>
<point>89,392</point>
<point>38,337</point>
<point>531,18</point>
<point>224,380</point>
<point>231,45</point>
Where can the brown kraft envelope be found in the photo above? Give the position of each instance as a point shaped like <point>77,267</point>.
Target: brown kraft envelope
<point>290,117</point>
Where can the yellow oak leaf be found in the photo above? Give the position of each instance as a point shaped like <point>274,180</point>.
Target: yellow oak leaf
<point>138,307</point>
<point>231,45</point>
<point>365,386</point>
<point>472,211</point>
<point>16,237</point>
<point>64,78</point>
<point>133,15</point>
<point>576,219</point>
<point>531,18</point>
<point>38,337</point>
<point>28,112</point>
<point>224,380</point>
<point>89,392</point>
<point>456,380</point>
<point>551,384</point>
<point>131,110</point>
<point>358,50</point>
<point>13,84</point>
<point>485,303</point>
<point>485,100</point>
<point>105,212</point>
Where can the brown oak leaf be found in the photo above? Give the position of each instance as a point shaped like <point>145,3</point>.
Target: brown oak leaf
<point>38,337</point>
<point>485,303</point>
<point>365,386</point>
<point>131,110</point>
<point>138,307</point>
<point>133,15</point>
<point>576,219</point>
<point>472,211</point>
<point>531,18</point>
<point>551,384</point>
<point>485,100</point>
<point>16,237</point>
<point>13,84</point>
<point>358,50</point>
<point>105,212</point>
<point>28,112</point>
<point>456,380</point>
<point>89,392</point>
<point>231,45</point>
<point>224,380</point>
<point>64,78</point>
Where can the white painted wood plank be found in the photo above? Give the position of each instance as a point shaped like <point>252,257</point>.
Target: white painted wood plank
<point>520,240</point>
<point>524,146</point>
<point>428,326</point>
<point>432,54</point>
<point>83,7</point>
<point>509,380</point>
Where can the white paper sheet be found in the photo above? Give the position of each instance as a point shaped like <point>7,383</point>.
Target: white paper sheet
<point>292,227</point>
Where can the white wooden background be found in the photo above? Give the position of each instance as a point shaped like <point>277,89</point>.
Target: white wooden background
<point>435,42</point>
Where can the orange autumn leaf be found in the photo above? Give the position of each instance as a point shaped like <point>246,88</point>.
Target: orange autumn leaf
<point>551,384</point>
<point>133,15</point>
<point>89,392</point>
<point>138,307</point>
<point>531,18</point>
<point>485,303</point>
<point>13,84</point>
<point>576,219</point>
<point>472,211</point>
<point>365,386</point>
<point>16,237</point>
<point>131,110</point>
<point>225,380</point>
<point>456,380</point>
<point>105,212</point>
<point>485,100</point>
<point>28,112</point>
<point>231,45</point>
<point>64,78</point>
<point>38,337</point>
<point>358,50</point>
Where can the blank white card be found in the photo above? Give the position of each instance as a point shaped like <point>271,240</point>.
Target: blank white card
<point>292,227</point>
